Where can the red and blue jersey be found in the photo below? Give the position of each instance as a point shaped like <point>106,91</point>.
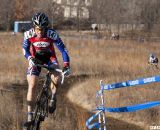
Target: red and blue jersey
<point>32,44</point>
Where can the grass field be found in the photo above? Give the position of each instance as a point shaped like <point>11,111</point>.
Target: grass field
<point>93,60</point>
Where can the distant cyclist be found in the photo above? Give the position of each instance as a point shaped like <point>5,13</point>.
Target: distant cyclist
<point>153,60</point>
<point>38,46</point>
<point>114,36</point>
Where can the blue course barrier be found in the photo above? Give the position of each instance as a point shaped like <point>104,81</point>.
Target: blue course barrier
<point>101,125</point>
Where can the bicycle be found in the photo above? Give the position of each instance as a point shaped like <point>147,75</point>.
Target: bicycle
<point>41,109</point>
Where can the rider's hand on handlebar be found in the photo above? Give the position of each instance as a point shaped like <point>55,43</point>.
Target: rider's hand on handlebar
<point>66,70</point>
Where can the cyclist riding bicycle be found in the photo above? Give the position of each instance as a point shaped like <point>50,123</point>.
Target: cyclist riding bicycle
<point>153,60</point>
<point>38,45</point>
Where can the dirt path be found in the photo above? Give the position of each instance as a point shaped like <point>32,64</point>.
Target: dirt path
<point>68,116</point>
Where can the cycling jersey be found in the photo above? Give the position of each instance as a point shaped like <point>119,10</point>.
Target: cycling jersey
<point>32,44</point>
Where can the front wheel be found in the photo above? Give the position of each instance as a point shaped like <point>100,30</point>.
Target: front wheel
<point>37,125</point>
<point>41,110</point>
<point>36,120</point>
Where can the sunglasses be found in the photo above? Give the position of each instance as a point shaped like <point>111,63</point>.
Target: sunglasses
<point>39,29</point>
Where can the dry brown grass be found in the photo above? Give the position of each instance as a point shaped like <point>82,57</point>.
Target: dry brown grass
<point>115,62</point>
<point>111,61</point>
<point>12,61</point>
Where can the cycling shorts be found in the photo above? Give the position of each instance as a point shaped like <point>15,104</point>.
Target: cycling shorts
<point>33,70</point>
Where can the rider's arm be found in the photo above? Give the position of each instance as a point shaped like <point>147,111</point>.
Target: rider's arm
<point>26,49</point>
<point>59,44</point>
<point>26,43</point>
<point>63,51</point>
<point>53,56</point>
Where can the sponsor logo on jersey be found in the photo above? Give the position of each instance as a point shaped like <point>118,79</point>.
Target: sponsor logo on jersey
<point>41,44</point>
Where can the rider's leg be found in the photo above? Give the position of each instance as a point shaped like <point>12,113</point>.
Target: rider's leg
<point>55,82</point>
<point>32,78</point>
<point>54,79</point>
<point>32,81</point>
<point>54,85</point>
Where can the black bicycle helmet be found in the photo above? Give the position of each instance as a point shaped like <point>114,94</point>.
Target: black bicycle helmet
<point>40,20</point>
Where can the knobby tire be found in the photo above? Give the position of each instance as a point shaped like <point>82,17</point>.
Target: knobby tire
<point>40,108</point>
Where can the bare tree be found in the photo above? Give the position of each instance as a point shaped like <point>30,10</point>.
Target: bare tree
<point>56,13</point>
<point>150,13</point>
<point>51,8</point>
<point>21,9</point>
<point>7,13</point>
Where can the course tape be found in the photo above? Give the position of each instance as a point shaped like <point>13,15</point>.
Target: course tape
<point>129,83</point>
<point>132,108</point>
<point>120,109</point>
<point>94,125</point>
